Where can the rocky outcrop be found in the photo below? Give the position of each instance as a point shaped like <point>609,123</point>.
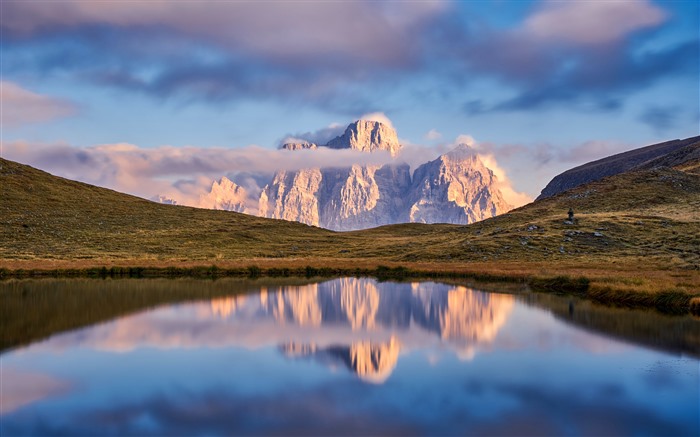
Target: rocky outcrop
<point>363,197</point>
<point>371,361</point>
<point>612,165</point>
<point>226,195</point>
<point>299,146</point>
<point>164,200</point>
<point>367,136</point>
<point>455,188</point>
<point>374,362</point>
<point>293,196</point>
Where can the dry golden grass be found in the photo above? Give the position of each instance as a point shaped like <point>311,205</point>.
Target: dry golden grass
<point>633,232</point>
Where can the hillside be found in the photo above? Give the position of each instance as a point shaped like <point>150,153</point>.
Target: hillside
<point>44,216</point>
<point>635,230</point>
<point>612,165</point>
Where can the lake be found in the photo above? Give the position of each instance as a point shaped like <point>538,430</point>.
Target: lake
<point>348,356</point>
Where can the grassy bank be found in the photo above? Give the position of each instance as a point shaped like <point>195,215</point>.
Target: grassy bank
<point>667,291</point>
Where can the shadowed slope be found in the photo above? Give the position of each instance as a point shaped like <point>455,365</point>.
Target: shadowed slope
<point>612,165</point>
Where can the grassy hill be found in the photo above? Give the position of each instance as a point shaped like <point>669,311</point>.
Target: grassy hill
<point>634,231</point>
<point>612,165</point>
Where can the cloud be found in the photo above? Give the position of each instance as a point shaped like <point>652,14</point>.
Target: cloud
<point>303,52</point>
<point>465,139</point>
<point>22,388</point>
<point>660,118</point>
<point>21,106</point>
<point>585,54</point>
<point>345,32</point>
<point>181,173</point>
<point>432,135</point>
<point>415,155</point>
<point>532,166</point>
<point>342,55</point>
<point>377,116</point>
<point>320,137</point>
<point>505,185</point>
<point>592,22</point>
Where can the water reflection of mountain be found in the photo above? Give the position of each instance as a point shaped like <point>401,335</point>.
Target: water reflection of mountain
<point>372,362</point>
<point>367,320</point>
<point>454,313</point>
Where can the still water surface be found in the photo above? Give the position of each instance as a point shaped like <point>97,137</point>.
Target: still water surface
<point>342,357</point>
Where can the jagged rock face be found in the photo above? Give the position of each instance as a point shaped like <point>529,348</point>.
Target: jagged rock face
<point>357,197</point>
<point>298,305</point>
<point>374,362</point>
<point>164,200</point>
<point>367,136</point>
<point>363,196</point>
<point>359,302</point>
<point>299,146</point>
<point>455,188</point>
<point>226,195</point>
<point>371,361</point>
<point>292,196</point>
<point>226,306</point>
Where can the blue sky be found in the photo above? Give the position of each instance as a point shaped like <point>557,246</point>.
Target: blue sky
<point>541,86</point>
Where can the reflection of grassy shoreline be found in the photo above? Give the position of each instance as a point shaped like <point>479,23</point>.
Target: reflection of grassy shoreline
<point>34,309</point>
<point>620,288</point>
<point>660,331</point>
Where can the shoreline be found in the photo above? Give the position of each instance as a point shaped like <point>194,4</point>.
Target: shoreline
<point>635,287</point>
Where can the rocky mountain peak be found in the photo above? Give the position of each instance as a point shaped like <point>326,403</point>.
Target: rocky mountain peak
<point>367,136</point>
<point>225,194</point>
<point>461,152</point>
<point>455,188</point>
<point>299,146</point>
<point>163,199</point>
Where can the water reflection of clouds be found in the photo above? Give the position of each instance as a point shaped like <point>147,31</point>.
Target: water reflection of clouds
<point>20,388</point>
<point>506,409</point>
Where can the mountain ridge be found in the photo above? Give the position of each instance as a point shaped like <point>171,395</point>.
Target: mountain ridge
<point>612,165</point>
<point>455,188</point>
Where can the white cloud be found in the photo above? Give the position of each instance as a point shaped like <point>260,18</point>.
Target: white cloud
<point>21,106</point>
<point>465,139</point>
<point>505,184</point>
<point>318,137</point>
<point>432,135</point>
<point>181,173</point>
<point>592,22</point>
<point>377,116</point>
<point>513,197</point>
<point>294,31</point>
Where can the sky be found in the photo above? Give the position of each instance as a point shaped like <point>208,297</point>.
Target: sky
<point>161,97</point>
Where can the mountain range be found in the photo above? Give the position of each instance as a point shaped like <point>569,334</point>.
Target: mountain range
<point>455,188</point>
<point>646,219</point>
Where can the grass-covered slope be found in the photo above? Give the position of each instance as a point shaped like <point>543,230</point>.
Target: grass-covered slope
<point>43,216</point>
